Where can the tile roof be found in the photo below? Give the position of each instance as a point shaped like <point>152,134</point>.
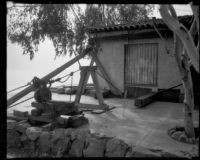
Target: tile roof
<point>143,24</point>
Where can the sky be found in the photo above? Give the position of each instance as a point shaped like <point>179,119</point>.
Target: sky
<point>21,70</point>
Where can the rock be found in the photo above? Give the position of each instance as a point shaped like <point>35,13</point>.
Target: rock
<point>182,137</point>
<point>171,131</point>
<point>57,133</point>
<point>80,134</point>
<point>44,141</point>
<point>144,152</point>
<point>13,139</point>
<point>76,148</point>
<point>22,127</point>
<point>95,147</point>
<point>167,154</point>
<point>77,121</point>
<point>11,124</point>
<point>68,132</point>
<point>116,148</point>
<point>33,132</point>
<point>61,146</point>
<point>176,135</point>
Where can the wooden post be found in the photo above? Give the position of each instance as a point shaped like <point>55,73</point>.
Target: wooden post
<point>80,86</point>
<point>46,78</point>
<point>97,87</point>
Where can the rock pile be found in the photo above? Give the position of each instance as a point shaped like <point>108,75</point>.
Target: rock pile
<point>70,142</point>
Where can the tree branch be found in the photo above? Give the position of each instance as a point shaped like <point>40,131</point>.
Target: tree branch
<point>183,34</point>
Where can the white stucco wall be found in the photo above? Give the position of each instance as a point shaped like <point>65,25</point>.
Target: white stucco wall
<point>112,58</point>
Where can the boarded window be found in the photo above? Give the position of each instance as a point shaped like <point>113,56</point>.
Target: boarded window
<point>141,64</point>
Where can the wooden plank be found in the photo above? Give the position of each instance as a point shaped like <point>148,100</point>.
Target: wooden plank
<point>46,78</point>
<point>97,87</point>
<point>80,87</point>
<point>92,106</point>
<point>87,77</point>
<point>144,100</point>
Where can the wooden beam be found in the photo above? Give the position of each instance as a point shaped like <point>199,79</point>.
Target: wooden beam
<point>46,78</point>
<point>97,87</point>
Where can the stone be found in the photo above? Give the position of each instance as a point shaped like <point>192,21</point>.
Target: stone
<point>22,127</point>
<point>68,132</point>
<point>76,148</point>
<point>13,139</point>
<point>33,133</point>
<point>116,148</point>
<point>167,154</point>
<point>176,135</point>
<point>95,147</point>
<point>57,134</point>
<point>80,134</point>
<point>144,152</point>
<point>44,141</point>
<point>77,121</point>
<point>61,146</point>
<point>182,137</point>
<point>11,124</point>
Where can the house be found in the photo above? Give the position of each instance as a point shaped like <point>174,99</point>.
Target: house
<point>138,57</point>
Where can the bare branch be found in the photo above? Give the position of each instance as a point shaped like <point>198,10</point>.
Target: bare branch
<point>183,34</point>
<point>195,10</point>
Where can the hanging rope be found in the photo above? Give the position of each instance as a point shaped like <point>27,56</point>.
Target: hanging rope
<point>29,83</point>
<point>107,81</point>
<point>71,85</point>
<point>20,102</point>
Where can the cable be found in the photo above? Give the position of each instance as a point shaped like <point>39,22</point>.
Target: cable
<point>20,102</point>
<point>107,81</point>
<point>19,87</point>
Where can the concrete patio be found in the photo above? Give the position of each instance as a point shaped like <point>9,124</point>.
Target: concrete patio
<point>136,126</point>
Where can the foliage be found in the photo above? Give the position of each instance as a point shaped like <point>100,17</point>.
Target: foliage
<point>28,25</point>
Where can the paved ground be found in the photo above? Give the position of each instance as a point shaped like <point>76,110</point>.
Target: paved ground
<point>145,126</point>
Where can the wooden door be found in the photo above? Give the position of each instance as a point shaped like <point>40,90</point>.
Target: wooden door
<point>141,63</point>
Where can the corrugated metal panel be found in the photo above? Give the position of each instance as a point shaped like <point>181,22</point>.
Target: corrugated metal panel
<point>141,64</point>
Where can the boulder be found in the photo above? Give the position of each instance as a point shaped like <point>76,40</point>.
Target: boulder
<point>11,124</point>
<point>21,127</point>
<point>176,135</point>
<point>13,139</point>
<point>80,134</point>
<point>33,133</point>
<point>95,147</point>
<point>70,91</point>
<point>44,142</point>
<point>76,148</point>
<point>116,148</point>
<point>77,121</point>
<point>57,133</point>
<point>144,152</point>
<point>61,146</point>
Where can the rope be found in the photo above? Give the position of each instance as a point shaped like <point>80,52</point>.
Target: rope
<point>107,80</point>
<point>19,87</point>
<point>71,87</point>
<point>20,102</point>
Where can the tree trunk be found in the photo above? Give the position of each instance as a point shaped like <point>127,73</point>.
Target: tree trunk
<point>182,60</point>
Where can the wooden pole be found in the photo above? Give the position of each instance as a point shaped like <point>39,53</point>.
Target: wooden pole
<point>46,78</point>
